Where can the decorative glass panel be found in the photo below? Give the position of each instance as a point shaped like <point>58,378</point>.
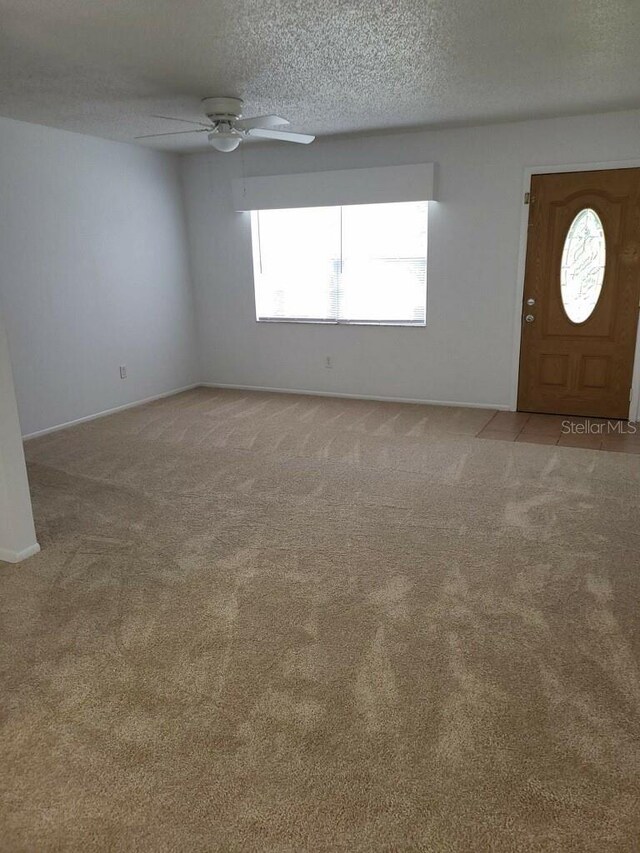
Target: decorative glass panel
<point>582,269</point>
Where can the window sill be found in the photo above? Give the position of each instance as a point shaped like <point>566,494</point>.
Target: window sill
<point>407,324</point>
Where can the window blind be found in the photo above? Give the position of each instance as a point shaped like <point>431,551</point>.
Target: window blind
<point>351,264</point>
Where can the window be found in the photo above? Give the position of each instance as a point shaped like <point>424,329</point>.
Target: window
<point>363,263</point>
<point>583,263</point>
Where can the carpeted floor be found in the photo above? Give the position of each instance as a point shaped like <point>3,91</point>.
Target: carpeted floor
<point>278,623</point>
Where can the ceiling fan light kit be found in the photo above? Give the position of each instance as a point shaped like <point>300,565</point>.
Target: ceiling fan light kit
<point>224,138</point>
<point>226,129</point>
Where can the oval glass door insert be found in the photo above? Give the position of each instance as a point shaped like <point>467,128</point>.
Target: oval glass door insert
<point>582,269</point>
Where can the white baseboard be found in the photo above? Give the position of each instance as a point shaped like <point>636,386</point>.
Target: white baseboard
<point>17,556</point>
<point>109,412</point>
<point>499,406</point>
<point>67,424</point>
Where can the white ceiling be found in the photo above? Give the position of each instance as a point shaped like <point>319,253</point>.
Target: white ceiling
<point>103,67</point>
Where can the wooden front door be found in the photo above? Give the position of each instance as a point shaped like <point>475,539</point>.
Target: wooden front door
<point>582,287</point>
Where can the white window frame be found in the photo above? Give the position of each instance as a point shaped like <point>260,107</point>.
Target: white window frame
<point>256,258</point>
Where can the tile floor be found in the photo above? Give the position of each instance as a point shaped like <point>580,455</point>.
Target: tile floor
<point>565,431</point>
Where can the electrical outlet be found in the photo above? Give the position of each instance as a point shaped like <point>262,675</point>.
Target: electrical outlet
<point>328,362</point>
<point>123,371</point>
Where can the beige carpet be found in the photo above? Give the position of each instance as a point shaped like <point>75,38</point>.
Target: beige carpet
<point>278,623</point>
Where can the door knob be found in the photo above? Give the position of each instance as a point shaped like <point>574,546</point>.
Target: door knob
<point>529,318</point>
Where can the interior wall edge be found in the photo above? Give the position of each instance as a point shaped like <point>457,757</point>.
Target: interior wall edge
<point>189,229</point>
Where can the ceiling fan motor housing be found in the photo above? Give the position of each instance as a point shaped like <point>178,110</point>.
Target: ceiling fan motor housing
<point>222,108</point>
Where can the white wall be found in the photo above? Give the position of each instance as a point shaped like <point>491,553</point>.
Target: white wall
<point>466,352</point>
<point>17,533</point>
<point>93,273</point>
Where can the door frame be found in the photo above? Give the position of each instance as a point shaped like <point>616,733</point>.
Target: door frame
<point>634,405</point>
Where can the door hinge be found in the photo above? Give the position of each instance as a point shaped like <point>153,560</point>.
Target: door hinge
<point>528,198</point>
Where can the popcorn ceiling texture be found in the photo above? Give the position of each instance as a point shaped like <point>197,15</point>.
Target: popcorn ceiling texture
<point>329,66</point>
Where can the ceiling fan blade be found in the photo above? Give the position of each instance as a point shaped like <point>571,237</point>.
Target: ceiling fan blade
<point>260,121</point>
<point>173,133</point>
<point>283,135</point>
<point>183,120</point>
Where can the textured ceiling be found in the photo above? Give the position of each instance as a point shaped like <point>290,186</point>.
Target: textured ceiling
<point>103,67</point>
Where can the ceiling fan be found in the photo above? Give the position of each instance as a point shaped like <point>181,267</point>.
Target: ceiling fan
<point>226,128</point>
